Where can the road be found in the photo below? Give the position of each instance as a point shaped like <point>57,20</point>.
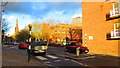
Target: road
<point>57,58</point>
<point>89,60</point>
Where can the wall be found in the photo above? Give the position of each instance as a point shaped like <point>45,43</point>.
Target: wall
<point>95,24</point>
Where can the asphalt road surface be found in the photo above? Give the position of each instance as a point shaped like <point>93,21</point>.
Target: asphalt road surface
<point>58,58</point>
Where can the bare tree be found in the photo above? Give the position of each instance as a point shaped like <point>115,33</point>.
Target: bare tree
<point>5,26</point>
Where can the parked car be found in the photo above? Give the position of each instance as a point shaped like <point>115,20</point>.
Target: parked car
<point>59,45</point>
<point>39,47</point>
<point>23,46</point>
<point>51,44</point>
<point>71,46</point>
<point>15,43</point>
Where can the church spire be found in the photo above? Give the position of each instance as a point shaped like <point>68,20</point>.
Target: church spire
<point>16,27</point>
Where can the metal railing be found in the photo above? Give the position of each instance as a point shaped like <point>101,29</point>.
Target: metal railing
<point>115,12</point>
<point>114,34</point>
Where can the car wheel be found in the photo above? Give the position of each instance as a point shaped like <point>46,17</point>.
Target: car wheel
<point>44,53</point>
<point>19,48</point>
<point>66,50</point>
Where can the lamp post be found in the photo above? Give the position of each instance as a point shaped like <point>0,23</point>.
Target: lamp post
<point>30,27</point>
<point>29,48</point>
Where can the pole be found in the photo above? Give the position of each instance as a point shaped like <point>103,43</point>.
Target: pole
<point>0,32</point>
<point>29,48</point>
<point>1,5</point>
<point>0,23</point>
<point>85,39</point>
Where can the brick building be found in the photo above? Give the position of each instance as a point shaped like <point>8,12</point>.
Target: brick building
<point>101,27</point>
<point>61,32</point>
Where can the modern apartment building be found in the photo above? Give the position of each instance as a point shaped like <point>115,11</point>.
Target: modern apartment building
<point>101,27</point>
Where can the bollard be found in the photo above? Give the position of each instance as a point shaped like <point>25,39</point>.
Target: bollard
<point>78,51</point>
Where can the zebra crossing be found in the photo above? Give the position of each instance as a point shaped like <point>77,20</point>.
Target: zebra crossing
<point>46,57</point>
<point>51,60</point>
<point>56,61</point>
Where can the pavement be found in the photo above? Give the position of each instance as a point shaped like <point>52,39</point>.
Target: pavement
<point>13,58</point>
<point>81,56</point>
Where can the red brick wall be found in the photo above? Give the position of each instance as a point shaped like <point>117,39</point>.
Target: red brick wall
<point>95,24</point>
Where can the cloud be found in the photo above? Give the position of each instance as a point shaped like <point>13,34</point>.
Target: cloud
<point>28,12</point>
<point>38,9</point>
<point>43,0</point>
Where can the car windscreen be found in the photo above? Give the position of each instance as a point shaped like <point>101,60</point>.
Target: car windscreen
<point>72,44</point>
<point>23,43</point>
<point>38,44</point>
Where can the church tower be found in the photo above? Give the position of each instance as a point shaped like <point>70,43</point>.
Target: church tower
<point>16,27</point>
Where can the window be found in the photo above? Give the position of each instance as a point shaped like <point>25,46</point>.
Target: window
<point>115,5</point>
<point>117,26</point>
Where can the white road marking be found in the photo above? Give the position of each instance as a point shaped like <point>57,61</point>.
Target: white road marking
<point>46,62</point>
<point>57,60</point>
<point>53,57</point>
<point>67,59</point>
<point>41,58</point>
<point>77,62</point>
<point>85,65</point>
<point>87,57</point>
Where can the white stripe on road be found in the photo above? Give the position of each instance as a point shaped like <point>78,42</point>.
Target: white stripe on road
<point>57,60</point>
<point>46,62</point>
<point>88,57</point>
<point>53,57</point>
<point>41,58</point>
<point>77,62</point>
<point>67,59</point>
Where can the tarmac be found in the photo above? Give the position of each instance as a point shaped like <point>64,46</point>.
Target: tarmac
<point>13,58</point>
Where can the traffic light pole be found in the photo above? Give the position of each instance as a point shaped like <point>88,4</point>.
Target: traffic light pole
<point>1,5</point>
<point>0,33</point>
<point>0,23</point>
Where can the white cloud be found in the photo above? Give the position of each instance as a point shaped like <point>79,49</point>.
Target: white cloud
<point>23,20</point>
<point>43,0</point>
<point>59,12</point>
<point>77,15</point>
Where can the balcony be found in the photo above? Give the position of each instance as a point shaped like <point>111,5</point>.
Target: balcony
<point>115,13</point>
<point>115,35</point>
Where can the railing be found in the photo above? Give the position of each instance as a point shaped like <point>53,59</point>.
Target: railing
<point>114,34</point>
<point>114,12</point>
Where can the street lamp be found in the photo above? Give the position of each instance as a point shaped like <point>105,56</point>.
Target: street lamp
<point>30,27</point>
<point>29,48</point>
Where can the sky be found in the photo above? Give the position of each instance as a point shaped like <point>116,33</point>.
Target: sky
<point>29,12</point>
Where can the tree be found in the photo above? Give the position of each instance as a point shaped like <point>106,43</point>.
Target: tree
<point>36,31</point>
<point>76,33</point>
<point>5,26</point>
<point>22,35</point>
<point>40,31</point>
